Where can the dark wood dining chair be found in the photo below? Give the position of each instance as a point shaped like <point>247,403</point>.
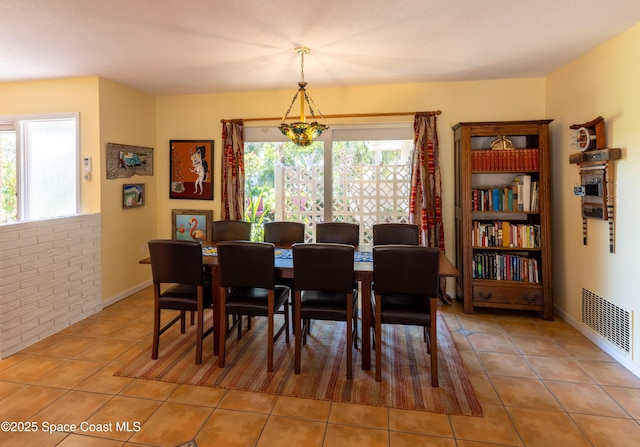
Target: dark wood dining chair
<point>338,233</point>
<point>230,230</point>
<point>284,232</point>
<point>179,285</point>
<point>323,278</point>
<point>405,291</point>
<point>246,275</point>
<point>395,233</point>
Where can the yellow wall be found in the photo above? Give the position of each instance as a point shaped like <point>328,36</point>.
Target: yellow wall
<point>127,116</point>
<point>604,83</point>
<point>59,96</point>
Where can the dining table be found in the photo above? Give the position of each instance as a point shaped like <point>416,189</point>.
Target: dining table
<point>363,274</point>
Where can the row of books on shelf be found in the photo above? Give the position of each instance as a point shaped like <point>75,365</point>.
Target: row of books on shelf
<point>505,267</point>
<point>504,160</point>
<point>505,234</point>
<point>523,194</point>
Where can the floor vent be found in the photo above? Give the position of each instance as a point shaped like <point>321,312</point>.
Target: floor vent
<point>610,321</point>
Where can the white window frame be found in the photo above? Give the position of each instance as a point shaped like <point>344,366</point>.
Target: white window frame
<point>346,132</point>
<point>22,168</point>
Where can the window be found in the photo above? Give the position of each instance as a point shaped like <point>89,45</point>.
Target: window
<point>362,171</point>
<point>38,167</point>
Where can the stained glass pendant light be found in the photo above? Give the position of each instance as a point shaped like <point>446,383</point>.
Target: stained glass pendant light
<point>301,132</point>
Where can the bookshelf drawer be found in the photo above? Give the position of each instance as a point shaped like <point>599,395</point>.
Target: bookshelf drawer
<point>508,294</point>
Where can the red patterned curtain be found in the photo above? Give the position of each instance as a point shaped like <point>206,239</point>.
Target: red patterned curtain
<point>233,170</point>
<point>425,207</point>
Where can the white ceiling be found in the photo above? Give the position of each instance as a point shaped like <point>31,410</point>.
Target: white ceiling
<point>171,47</point>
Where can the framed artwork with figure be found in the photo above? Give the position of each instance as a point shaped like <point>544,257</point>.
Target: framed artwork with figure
<point>191,225</point>
<point>191,169</point>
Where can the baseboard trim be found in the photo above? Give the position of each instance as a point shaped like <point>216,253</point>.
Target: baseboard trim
<point>122,295</point>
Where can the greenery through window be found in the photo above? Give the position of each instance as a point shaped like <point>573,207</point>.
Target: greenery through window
<point>352,177</point>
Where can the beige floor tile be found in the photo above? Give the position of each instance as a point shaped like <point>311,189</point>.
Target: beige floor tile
<point>471,362</point>
<point>32,439</point>
<point>247,401</point>
<point>118,418</point>
<point>6,388</point>
<point>540,428</point>
<point>77,440</point>
<point>586,399</point>
<point>27,401</point>
<point>317,410</point>
<point>477,324</point>
<point>584,350</point>
<point>560,369</point>
<point>69,346</point>
<point>13,360</point>
<point>461,341</point>
<point>492,343</point>
<point>149,389</point>
<point>494,426</point>
<point>94,327</point>
<point>604,432</point>
<point>72,408</point>
<point>172,424</point>
<point>485,391</point>
<point>30,369</point>
<point>105,350</point>
<point>103,381</point>
<point>538,346</point>
<point>362,415</point>
<point>612,374</point>
<point>133,332</point>
<point>69,374</point>
<point>197,395</point>
<point>414,440</point>
<point>286,432</point>
<point>231,429</point>
<point>511,365</point>
<point>627,398</point>
<point>350,436</point>
<point>526,393</point>
<point>420,422</point>
<point>127,356</point>
<point>524,328</point>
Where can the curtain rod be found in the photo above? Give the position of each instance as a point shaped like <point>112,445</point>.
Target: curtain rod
<point>348,115</point>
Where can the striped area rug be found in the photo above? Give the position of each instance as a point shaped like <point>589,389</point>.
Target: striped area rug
<point>406,379</point>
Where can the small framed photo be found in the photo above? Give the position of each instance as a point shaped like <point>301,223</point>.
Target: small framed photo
<point>132,195</point>
<point>191,169</point>
<point>191,225</point>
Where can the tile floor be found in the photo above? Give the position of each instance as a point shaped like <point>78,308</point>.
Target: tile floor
<point>541,384</point>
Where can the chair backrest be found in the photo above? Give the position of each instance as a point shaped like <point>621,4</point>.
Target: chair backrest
<point>246,264</point>
<point>284,232</point>
<point>395,233</point>
<point>406,270</point>
<point>338,233</point>
<point>325,267</point>
<point>175,261</point>
<point>230,230</point>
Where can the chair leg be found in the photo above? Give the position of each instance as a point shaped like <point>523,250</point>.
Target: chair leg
<point>200,325</point>
<point>378,336</point>
<point>182,321</point>
<point>222,321</point>
<point>349,330</point>
<point>286,321</point>
<point>297,330</point>
<point>433,343</point>
<point>156,334</point>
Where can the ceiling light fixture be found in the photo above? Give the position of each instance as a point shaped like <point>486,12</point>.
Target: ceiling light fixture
<point>301,132</point>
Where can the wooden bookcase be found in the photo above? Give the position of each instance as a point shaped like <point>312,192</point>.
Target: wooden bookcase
<point>503,245</point>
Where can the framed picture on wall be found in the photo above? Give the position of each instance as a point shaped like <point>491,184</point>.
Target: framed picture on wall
<point>191,225</point>
<point>191,169</point>
<point>132,195</point>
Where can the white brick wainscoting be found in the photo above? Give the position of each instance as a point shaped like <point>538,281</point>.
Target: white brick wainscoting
<point>50,278</point>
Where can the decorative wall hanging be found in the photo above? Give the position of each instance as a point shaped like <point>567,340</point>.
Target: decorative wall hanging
<point>132,195</point>
<point>123,160</point>
<point>191,169</point>
<point>191,225</point>
<point>597,175</point>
